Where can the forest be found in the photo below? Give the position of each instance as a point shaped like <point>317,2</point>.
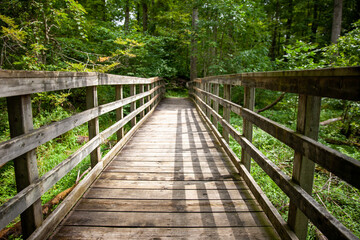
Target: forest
<point>180,41</point>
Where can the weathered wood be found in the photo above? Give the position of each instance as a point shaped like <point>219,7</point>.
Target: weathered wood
<point>62,210</point>
<point>215,103</point>
<point>341,83</point>
<point>26,172</point>
<point>249,103</point>
<point>81,232</point>
<point>137,205</point>
<point>148,98</point>
<point>343,166</point>
<point>308,119</point>
<point>119,94</point>
<point>30,194</point>
<point>27,82</point>
<point>226,111</point>
<point>142,100</point>
<point>317,214</point>
<point>93,125</point>
<point>166,176</point>
<point>19,145</point>
<point>275,218</point>
<point>131,219</point>
<point>168,185</point>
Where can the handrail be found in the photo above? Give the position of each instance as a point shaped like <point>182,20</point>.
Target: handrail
<point>14,83</point>
<point>17,87</point>
<point>206,97</point>
<point>341,83</point>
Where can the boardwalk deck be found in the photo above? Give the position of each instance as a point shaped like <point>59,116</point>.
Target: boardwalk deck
<point>172,180</point>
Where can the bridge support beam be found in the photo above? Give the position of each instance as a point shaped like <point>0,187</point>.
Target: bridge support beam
<point>93,125</point>
<point>249,103</point>
<point>303,170</point>
<point>26,172</point>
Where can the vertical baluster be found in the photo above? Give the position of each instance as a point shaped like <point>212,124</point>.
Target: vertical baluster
<point>26,172</point>
<point>93,125</point>
<point>226,111</point>
<point>215,103</point>
<point>249,103</point>
<point>303,169</point>
<point>133,104</point>
<point>119,112</point>
<point>142,100</point>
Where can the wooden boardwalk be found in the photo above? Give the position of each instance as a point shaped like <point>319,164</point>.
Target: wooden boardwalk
<point>171,181</point>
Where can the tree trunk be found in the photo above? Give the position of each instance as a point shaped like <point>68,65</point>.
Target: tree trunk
<point>336,26</point>
<point>314,24</point>
<point>289,22</point>
<point>127,16</point>
<point>104,10</point>
<point>193,54</point>
<point>275,32</point>
<point>145,16</point>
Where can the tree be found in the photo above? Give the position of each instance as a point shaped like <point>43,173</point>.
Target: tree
<point>337,17</point>
<point>193,53</point>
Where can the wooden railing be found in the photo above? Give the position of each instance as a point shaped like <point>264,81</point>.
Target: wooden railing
<point>311,85</point>
<point>17,87</point>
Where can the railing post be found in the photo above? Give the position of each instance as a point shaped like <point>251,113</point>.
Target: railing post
<point>142,100</point>
<point>93,125</point>
<point>215,103</point>
<point>226,111</point>
<point>303,170</point>
<point>249,103</point>
<point>208,99</point>
<point>133,104</point>
<point>148,98</point>
<point>26,172</point>
<point>119,112</point>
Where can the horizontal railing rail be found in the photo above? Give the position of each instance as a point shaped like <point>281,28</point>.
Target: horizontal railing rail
<point>298,188</point>
<point>17,86</point>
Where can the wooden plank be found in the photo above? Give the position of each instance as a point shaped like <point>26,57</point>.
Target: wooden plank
<point>187,154</point>
<point>175,185</point>
<point>308,118</point>
<point>136,219</point>
<point>155,163</point>
<point>275,218</point>
<point>249,103</point>
<point>343,166</point>
<point>167,194</point>
<point>225,233</point>
<point>119,94</point>
<point>341,83</point>
<point>167,176</point>
<point>66,205</point>
<point>178,170</point>
<point>117,205</point>
<point>26,172</point>
<point>170,159</point>
<point>21,144</point>
<point>15,82</point>
<point>93,125</point>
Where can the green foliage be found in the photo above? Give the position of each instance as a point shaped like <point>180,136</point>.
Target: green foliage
<point>302,55</point>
